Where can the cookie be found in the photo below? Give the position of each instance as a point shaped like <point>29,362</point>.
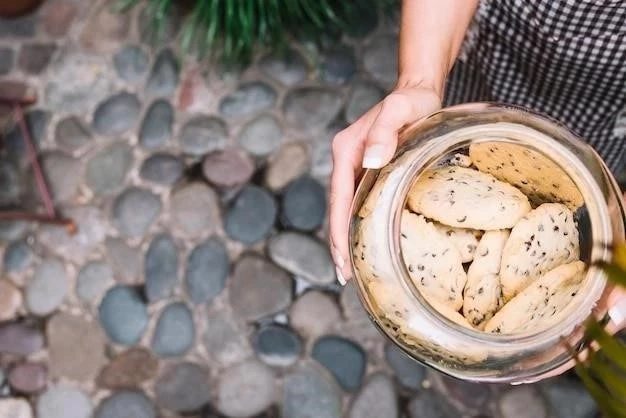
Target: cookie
<point>541,304</point>
<point>534,174</point>
<point>465,240</point>
<point>483,293</point>
<point>466,198</point>
<point>433,262</point>
<point>460,160</point>
<point>544,239</point>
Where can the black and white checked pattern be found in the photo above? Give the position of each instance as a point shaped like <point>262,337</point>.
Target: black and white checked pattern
<point>563,58</point>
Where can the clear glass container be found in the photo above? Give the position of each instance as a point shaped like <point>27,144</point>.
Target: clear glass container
<point>394,302</point>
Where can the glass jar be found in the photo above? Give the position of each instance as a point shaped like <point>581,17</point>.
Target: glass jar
<point>394,302</point>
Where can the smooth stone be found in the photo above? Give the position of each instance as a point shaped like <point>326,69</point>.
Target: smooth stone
<point>93,280</point>
<point>376,399</point>
<point>164,75</point>
<point>338,65</point>
<point>261,136</point>
<point>72,135</point>
<point>107,170</point>
<point>153,35</point>
<point>467,395</point>
<point>248,99</point>
<point>311,109</point>
<point>156,127</point>
<point>358,322</point>
<point>65,333</point>
<point>259,288</point>
<point>63,174</point>
<point>6,60</point>
<point>430,405</point>
<point>568,398</point>
<point>122,403</point>
<point>64,402</point>
<point>288,68</point>
<point>10,300</point>
<point>28,378</point>
<point>183,388</point>
<point>104,29</point>
<point>362,98</point>
<point>58,20</point>
<point>128,369</point>
<point>18,27</point>
<point>11,183</point>
<point>163,169</point>
<point>322,156</point>
<point>20,339</point>
<point>224,342</point>
<point>17,256</point>
<point>309,393</point>
<point>303,204</point>
<point>203,134</point>
<point>135,210</point>
<point>117,114</point>
<point>380,59</point>
<point>523,402</point>
<point>206,272</point>
<point>251,216</point>
<point>160,268</point>
<point>195,209</point>
<point>124,260</point>
<point>46,290</point>
<point>123,315</point>
<point>131,63</point>
<point>34,58</point>
<point>314,313</point>
<point>291,162</point>
<point>345,359</point>
<point>245,390</point>
<point>409,373</point>
<point>37,122</point>
<point>175,331</point>
<point>303,256</point>
<point>228,168</point>
<point>15,408</point>
<point>12,230</point>
<point>277,345</point>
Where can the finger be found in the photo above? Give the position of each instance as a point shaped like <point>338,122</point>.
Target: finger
<point>617,310</point>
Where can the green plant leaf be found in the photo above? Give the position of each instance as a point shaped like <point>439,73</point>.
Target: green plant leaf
<point>614,272</point>
<point>613,380</point>
<point>612,348</point>
<point>608,406</point>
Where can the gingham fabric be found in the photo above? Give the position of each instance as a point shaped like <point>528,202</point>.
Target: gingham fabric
<point>563,58</point>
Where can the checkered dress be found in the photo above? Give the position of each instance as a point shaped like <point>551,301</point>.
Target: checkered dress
<point>563,58</point>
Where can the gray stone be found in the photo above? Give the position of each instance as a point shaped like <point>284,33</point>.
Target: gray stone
<point>154,35</point>
<point>430,405</point>
<point>123,315</point>
<point>135,210</point>
<point>291,162</point>
<point>569,398</point>
<point>523,402</point>
<point>338,65</point>
<point>376,399</point>
<point>251,216</point>
<point>195,210</point>
<point>203,134</point>
<point>104,29</point>
<point>18,27</point>
<point>206,271</point>
<point>175,331</point>
<point>311,109</point>
<point>37,124</point>
<point>107,170</point>
<point>308,393</point>
<point>362,98</point>
<point>10,300</point>
<point>245,390</point>
<point>129,369</point>
<point>6,60</point>
<point>314,313</point>
<point>164,169</point>
<point>409,373</point>
<point>64,402</point>
<point>156,127</point>
<point>63,175</point>
<point>28,378</point>
<point>466,396</point>
<point>380,59</point>
<point>345,359</point>
<point>17,256</point>
<point>122,403</point>
<point>303,204</point>
<point>20,339</point>
<point>76,347</point>
<point>15,407</point>
<point>117,114</point>
<point>12,230</point>
<point>123,259</point>
<point>223,341</point>
<point>259,288</point>
<point>34,58</point>
<point>183,388</point>
<point>93,280</point>
<point>48,287</point>
<point>72,135</point>
<point>10,183</point>
<point>164,75</point>
<point>277,345</point>
<point>303,256</point>
<point>131,63</point>
<point>248,99</point>
<point>288,68</point>
<point>261,136</point>
<point>161,268</point>
<point>228,168</point>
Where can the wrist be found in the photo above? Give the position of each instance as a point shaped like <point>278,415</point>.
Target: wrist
<point>435,84</point>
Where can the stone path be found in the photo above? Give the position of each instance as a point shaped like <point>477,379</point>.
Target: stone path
<point>199,282</point>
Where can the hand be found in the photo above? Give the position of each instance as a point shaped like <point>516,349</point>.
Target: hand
<point>370,142</point>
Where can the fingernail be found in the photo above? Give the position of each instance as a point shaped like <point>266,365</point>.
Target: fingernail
<point>373,157</point>
<point>337,257</point>
<point>618,313</point>
<point>340,278</point>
